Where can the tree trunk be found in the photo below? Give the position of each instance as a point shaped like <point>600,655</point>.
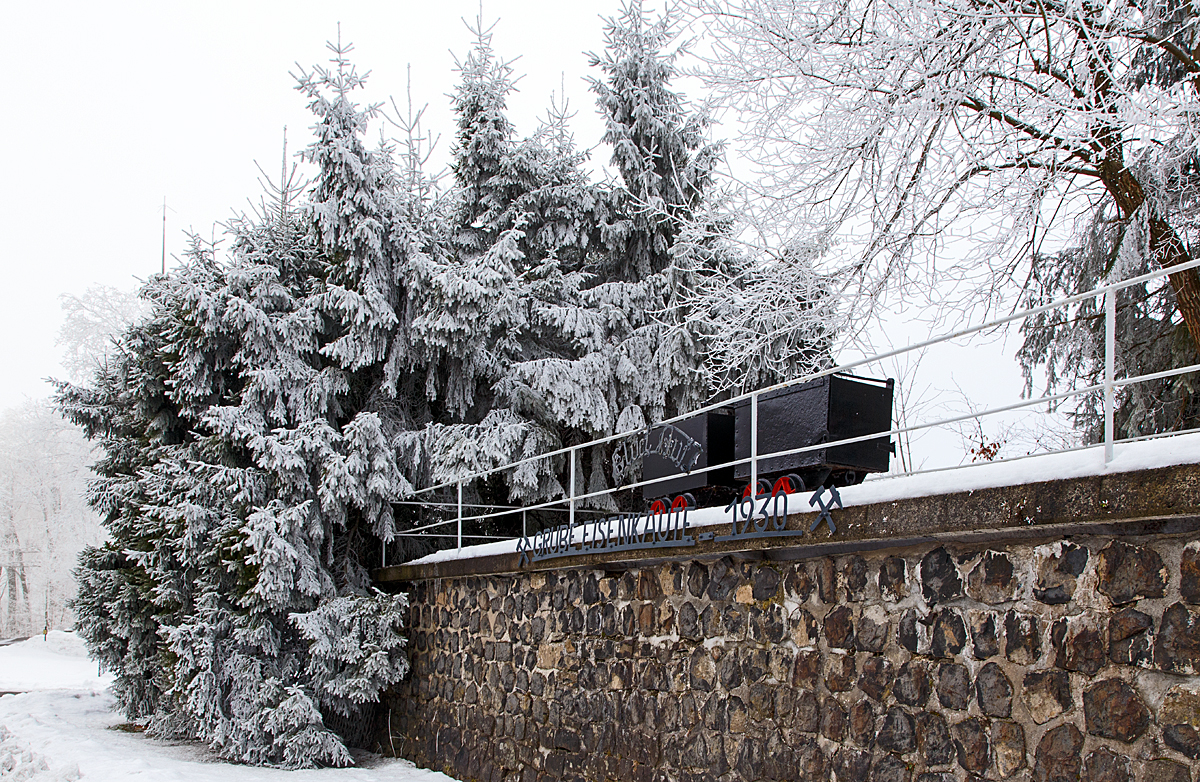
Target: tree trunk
<point>1166,248</point>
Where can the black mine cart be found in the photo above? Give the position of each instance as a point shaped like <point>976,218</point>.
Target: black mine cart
<point>830,408</point>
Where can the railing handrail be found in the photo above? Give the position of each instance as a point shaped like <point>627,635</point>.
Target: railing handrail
<point>571,498</point>
<point>1101,290</point>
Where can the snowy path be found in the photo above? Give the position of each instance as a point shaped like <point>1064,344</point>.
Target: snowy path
<point>62,727</point>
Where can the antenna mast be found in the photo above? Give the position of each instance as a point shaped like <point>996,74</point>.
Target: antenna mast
<point>283,182</point>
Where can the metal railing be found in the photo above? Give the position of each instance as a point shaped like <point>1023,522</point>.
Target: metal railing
<point>573,498</point>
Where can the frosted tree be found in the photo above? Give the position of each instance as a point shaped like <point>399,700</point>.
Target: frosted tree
<point>248,474</point>
<point>521,218</point>
<point>898,131</point>
<point>44,521</point>
<point>1066,346</point>
<point>92,323</point>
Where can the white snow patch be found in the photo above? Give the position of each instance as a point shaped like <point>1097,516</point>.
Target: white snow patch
<point>1127,457</point>
<point>64,729</point>
<point>49,662</point>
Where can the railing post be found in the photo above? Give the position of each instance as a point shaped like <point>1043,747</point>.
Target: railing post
<point>460,515</point>
<point>571,513</point>
<point>1110,349</point>
<point>753,446</point>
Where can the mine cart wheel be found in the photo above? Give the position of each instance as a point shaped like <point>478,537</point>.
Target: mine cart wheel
<point>849,478</point>
<point>684,500</point>
<point>764,489</point>
<point>788,484</point>
<point>658,507</point>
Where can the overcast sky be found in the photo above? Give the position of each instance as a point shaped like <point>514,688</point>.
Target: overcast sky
<point>113,106</point>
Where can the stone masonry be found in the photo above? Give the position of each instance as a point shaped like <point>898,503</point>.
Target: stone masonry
<point>1053,660</point>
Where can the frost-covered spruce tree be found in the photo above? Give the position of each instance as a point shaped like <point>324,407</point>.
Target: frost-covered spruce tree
<point>248,474</point>
<point>521,216</point>
<point>629,352</point>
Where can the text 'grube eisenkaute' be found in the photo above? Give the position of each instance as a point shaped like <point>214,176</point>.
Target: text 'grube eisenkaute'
<point>624,532</point>
<point>764,516</point>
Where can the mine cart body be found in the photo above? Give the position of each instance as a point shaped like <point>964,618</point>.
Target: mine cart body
<point>830,408</point>
<point>714,431</point>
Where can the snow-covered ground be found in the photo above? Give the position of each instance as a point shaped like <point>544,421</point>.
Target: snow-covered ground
<point>63,727</point>
<point>1141,455</point>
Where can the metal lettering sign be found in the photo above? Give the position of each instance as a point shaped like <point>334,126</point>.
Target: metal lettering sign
<point>663,527</point>
<point>669,442</point>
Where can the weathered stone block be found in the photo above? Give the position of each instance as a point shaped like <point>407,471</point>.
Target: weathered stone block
<point>1164,770</point>
<point>876,678</point>
<point>766,583</point>
<point>729,670</point>
<point>1177,646</point>
<point>1008,747</point>
<point>1184,739</point>
<point>806,669</point>
<point>767,625</point>
<point>890,769</point>
<point>711,625</point>
<point>907,633</point>
<point>940,580</point>
<point>995,691</point>
<point>733,619</point>
<point>839,628</point>
<point>1128,572</point>
<point>911,686</point>
<point>724,579</point>
<point>933,739</point>
<point>851,764</point>
<point>1104,765</point>
<point>862,723</point>
<point>840,672</point>
<point>949,634</point>
<point>1113,710</point>
<point>648,587</point>
<point>827,581</point>
<point>1079,645</point>
<point>1058,566</point>
<point>971,744</point>
<point>703,752</point>
<point>854,572</point>
<point>897,733</point>
<point>702,672</point>
<point>807,714</point>
<point>872,632</point>
<point>833,719</point>
<point>992,580</point>
<point>697,579</point>
<point>893,579</point>
<point>1189,573</point>
<point>804,628</point>
<point>1022,637</point>
<point>1180,720</point>
<point>985,642</point>
<point>1059,755</point>
<point>1129,637</point>
<point>809,761</point>
<point>953,686</point>
<point>797,582</point>
<point>1047,694</point>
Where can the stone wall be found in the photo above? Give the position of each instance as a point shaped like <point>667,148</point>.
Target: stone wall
<point>1052,661</point>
